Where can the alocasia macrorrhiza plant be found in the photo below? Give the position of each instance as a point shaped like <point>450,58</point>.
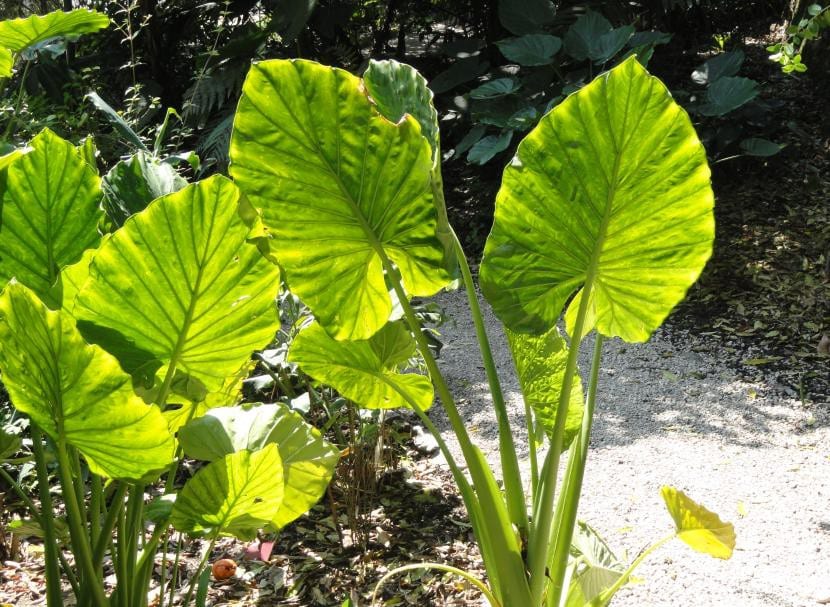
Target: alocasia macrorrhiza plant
<point>119,348</point>
<point>604,218</point>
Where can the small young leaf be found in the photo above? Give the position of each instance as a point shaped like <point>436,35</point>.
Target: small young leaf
<point>484,150</point>
<point>698,527</point>
<point>308,459</point>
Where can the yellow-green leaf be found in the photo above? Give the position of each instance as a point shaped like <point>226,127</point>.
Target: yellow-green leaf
<point>698,527</point>
<point>19,34</point>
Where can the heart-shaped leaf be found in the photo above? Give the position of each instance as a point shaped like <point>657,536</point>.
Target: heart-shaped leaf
<point>592,37</point>
<point>531,49</point>
<point>727,94</point>
<point>75,392</point>
<point>540,364</point>
<point>724,64</point>
<point>496,88</point>
<point>757,146</point>
<point>364,371</point>
<point>597,571</point>
<point>609,192</point>
<point>308,459</point>
<point>344,191</point>
<point>180,284</point>
<point>19,34</point>
<point>236,495</point>
<point>51,209</point>
<point>486,148</point>
<point>698,527</point>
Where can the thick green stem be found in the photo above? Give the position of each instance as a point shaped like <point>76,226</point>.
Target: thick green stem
<point>509,563</point>
<point>569,498</point>
<point>105,535</point>
<point>77,530</point>
<point>513,486</point>
<point>51,547</point>
<point>543,513</point>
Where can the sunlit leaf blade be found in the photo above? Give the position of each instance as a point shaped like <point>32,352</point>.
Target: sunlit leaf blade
<point>598,570</point>
<point>179,283</point>
<point>339,187</point>
<point>698,527</point>
<point>77,392</point>
<point>133,183</point>
<point>6,62</point>
<point>611,188</point>
<point>540,364</point>
<point>364,371</point>
<point>235,495</point>
<point>308,459</point>
<point>19,34</point>
<point>73,277</point>
<point>10,442</point>
<point>51,209</point>
<point>398,89</point>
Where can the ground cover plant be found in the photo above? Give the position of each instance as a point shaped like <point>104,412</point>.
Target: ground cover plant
<point>125,340</point>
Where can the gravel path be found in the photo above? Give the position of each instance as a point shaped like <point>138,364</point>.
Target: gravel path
<point>668,412</point>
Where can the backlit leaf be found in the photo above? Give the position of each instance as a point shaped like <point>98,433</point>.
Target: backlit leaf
<point>19,34</point>
<point>540,364</point>
<point>611,188</point>
<point>77,392</point>
<point>6,62</point>
<point>340,188</point>
<point>364,371</point>
<point>308,459</point>
<point>180,283</point>
<point>698,527</point>
<point>51,209</point>
<point>235,495</point>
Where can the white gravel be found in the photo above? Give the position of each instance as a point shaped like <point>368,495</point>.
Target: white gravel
<point>674,414</point>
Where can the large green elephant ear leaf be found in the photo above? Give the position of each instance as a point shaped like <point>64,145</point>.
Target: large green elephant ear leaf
<point>308,459</point>
<point>19,34</point>
<point>365,371</point>
<point>75,392</point>
<point>235,495</point>
<point>180,285</point>
<point>540,364</point>
<point>698,527</point>
<point>345,192</point>
<point>399,89</point>
<point>611,193</point>
<point>7,159</point>
<point>51,209</point>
